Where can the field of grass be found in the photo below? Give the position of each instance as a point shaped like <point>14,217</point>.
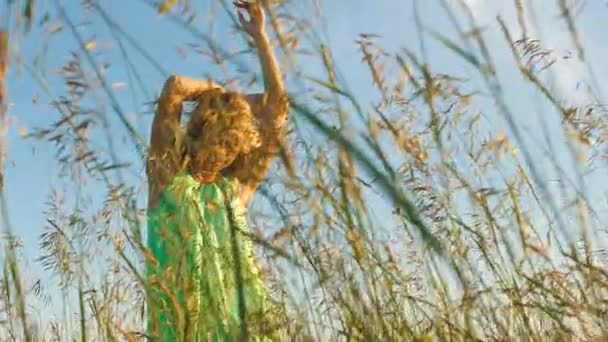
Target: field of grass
<point>443,206</point>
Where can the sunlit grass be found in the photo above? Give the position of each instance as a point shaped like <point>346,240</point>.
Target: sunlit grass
<point>412,217</point>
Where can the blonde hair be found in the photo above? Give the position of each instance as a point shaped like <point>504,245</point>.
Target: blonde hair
<point>221,128</point>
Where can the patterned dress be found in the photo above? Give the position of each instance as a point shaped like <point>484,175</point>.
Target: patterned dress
<point>197,291</point>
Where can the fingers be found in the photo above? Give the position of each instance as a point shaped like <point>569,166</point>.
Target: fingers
<point>242,19</point>
<point>251,7</point>
<point>255,22</point>
<point>241,4</point>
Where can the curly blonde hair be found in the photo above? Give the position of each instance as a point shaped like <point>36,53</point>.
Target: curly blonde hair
<point>221,128</point>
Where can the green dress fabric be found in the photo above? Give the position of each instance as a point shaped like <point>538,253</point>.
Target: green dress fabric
<point>194,234</point>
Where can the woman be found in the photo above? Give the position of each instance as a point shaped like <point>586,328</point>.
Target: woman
<point>203,281</point>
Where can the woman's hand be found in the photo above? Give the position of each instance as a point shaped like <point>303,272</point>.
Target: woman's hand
<point>255,25</point>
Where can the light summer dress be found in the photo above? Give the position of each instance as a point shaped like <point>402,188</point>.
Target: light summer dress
<point>194,234</point>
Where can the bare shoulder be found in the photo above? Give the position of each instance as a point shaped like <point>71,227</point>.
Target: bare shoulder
<point>256,101</point>
<point>270,111</point>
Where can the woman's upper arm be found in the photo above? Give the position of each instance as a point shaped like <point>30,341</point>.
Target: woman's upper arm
<point>251,169</point>
<point>164,152</point>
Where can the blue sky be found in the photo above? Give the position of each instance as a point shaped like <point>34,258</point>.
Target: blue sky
<point>31,169</point>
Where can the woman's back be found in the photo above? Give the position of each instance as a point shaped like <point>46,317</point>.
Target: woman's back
<point>194,233</point>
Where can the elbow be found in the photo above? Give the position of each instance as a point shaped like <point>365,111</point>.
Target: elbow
<point>172,79</point>
<point>171,84</point>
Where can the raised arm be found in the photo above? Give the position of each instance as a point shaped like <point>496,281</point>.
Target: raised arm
<point>165,153</point>
<point>270,108</point>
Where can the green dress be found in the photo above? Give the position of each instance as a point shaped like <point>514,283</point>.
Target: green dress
<point>193,288</point>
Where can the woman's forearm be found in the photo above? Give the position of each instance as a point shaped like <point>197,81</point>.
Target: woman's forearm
<point>178,89</point>
<point>274,88</point>
<point>273,80</point>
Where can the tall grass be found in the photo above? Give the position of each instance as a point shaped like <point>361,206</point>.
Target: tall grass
<point>428,213</point>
